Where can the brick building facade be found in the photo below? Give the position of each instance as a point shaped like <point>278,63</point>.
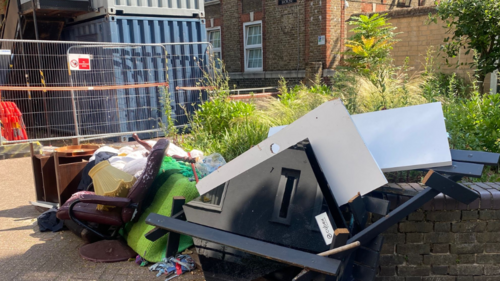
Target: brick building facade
<point>263,40</point>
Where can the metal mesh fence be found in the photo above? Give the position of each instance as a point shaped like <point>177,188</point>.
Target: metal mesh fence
<point>56,90</point>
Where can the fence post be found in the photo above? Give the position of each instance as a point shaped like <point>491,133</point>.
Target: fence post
<point>73,103</point>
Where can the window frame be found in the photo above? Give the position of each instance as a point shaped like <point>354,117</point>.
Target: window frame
<point>259,46</point>
<point>219,49</point>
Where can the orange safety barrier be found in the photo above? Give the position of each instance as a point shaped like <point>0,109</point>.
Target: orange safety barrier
<point>82,88</point>
<point>12,122</point>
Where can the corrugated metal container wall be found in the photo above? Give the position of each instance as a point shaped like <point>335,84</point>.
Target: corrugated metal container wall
<point>183,70</point>
<point>155,8</point>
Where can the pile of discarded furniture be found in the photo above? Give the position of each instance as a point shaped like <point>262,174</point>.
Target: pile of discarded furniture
<point>296,206</point>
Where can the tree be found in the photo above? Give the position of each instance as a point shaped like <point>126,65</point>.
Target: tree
<point>472,25</point>
<point>370,44</point>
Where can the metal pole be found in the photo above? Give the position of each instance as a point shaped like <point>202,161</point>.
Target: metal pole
<point>42,76</point>
<point>26,75</point>
<point>73,103</point>
<point>35,21</point>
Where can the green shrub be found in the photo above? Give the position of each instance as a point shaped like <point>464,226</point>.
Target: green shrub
<point>445,87</point>
<point>224,126</point>
<point>474,123</point>
<point>215,116</point>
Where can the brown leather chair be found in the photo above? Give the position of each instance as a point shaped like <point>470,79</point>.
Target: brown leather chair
<point>82,206</point>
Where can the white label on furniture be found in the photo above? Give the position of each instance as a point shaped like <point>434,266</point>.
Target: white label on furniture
<point>325,227</point>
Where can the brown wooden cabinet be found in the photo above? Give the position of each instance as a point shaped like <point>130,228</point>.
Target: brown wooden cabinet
<point>56,176</point>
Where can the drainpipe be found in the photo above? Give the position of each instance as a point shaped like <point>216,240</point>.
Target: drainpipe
<point>494,82</point>
<point>342,23</point>
<point>494,78</point>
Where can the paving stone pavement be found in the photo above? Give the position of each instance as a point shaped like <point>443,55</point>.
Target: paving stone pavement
<point>28,254</point>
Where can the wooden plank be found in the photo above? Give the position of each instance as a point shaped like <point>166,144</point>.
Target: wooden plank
<point>479,157</point>
<point>358,210</point>
<point>155,234</point>
<point>174,237</point>
<point>341,235</point>
<point>331,201</point>
<point>449,187</point>
<point>437,184</point>
<point>37,175</point>
<point>49,179</point>
<point>340,151</point>
<point>369,233</point>
<point>376,205</point>
<point>461,169</point>
<point>267,250</point>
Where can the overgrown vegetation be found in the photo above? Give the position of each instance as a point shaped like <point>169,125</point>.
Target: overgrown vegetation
<point>367,83</point>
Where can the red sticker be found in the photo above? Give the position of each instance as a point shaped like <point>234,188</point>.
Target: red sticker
<point>84,63</point>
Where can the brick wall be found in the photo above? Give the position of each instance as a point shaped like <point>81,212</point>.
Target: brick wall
<point>291,31</point>
<point>417,36</point>
<point>445,240</point>
<point>213,11</point>
<point>231,32</point>
<point>251,6</point>
<point>285,36</point>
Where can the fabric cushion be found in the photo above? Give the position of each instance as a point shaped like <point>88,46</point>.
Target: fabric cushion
<point>88,211</point>
<point>169,186</point>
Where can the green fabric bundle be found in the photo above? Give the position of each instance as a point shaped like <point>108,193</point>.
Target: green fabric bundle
<point>171,164</point>
<point>171,184</point>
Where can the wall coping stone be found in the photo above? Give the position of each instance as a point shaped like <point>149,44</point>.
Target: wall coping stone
<point>402,13</point>
<point>398,193</point>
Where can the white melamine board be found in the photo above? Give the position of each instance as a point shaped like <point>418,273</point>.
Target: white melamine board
<point>404,138</point>
<point>343,156</point>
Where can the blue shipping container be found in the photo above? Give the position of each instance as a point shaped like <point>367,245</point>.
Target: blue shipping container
<point>183,70</point>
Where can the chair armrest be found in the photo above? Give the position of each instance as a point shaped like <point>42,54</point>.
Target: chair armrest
<point>106,200</point>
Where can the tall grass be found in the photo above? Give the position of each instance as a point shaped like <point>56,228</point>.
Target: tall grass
<point>232,127</point>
